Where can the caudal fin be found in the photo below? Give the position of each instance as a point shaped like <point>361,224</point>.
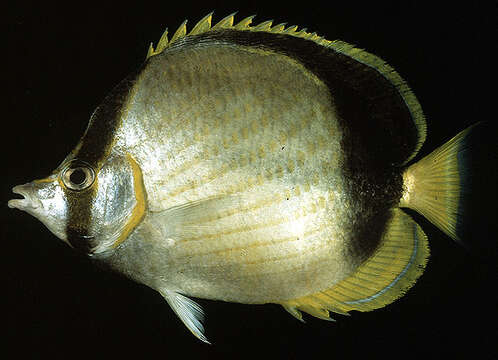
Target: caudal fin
<point>435,186</point>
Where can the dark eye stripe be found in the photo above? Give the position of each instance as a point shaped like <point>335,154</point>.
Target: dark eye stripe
<point>80,198</point>
<point>79,225</point>
<point>98,139</point>
<point>93,149</point>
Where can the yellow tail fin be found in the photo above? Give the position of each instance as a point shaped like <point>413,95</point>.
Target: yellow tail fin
<point>434,186</point>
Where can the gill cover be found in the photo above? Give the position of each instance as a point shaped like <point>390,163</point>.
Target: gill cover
<point>104,206</point>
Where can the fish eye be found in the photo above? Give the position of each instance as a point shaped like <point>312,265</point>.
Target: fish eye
<point>78,176</point>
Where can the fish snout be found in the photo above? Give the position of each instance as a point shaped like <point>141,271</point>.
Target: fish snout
<point>30,201</point>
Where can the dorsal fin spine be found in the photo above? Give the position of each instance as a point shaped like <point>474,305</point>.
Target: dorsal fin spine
<point>180,32</point>
<point>163,42</point>
<point>204,25</point>
<point>244,23</point>
<point>278,28</point>
<point>264,26</point>
<point>226,22</point>
<point>290,30</point>
<point>150,51</point>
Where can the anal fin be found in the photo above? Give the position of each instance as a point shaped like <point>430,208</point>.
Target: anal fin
<point>385,276</point>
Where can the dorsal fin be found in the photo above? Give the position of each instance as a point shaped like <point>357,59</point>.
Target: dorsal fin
<point>204,25</point>
<point>362,56</point>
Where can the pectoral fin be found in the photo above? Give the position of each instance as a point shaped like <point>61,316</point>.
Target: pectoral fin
<point>189,219</point>
<point>188,311</point>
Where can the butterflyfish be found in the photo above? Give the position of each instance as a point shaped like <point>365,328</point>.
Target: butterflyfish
<point>256,164</point>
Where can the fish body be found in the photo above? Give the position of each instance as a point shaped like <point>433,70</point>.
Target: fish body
<point>255,164</point>
<point>259,195</point>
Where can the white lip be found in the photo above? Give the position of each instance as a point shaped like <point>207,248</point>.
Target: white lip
<point>44,200</point>
<point>28,203</point>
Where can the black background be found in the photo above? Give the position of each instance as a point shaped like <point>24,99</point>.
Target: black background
<point>60,59</point>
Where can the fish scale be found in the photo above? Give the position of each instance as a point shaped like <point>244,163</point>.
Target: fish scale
<point>195,179</point>
<point>256,164</point>
<point>255,126</point>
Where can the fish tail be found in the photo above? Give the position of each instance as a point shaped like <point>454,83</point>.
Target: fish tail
<point>437,185</point>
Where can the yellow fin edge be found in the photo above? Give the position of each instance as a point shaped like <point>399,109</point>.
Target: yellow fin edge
<point>387,275</point>
<point>390,74</point>
<point>204,25</point>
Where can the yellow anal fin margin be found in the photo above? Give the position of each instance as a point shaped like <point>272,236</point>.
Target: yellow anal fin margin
<point>385,276</point>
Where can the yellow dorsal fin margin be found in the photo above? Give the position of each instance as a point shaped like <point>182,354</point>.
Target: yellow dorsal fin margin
<point>204,25</point>
<point>387,275</point>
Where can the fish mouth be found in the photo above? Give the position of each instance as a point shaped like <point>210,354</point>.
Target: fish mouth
<point>28,202</point>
